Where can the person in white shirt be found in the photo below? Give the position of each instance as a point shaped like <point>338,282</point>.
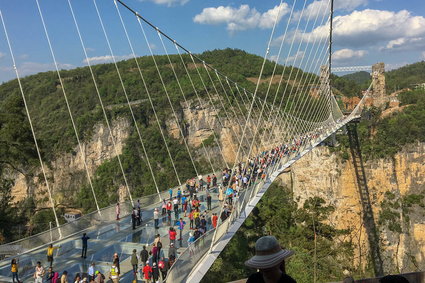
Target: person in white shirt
<point>39,273</point>
<point>91,271</point>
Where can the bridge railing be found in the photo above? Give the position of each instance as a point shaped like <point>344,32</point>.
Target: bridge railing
<point>81,224</point>
<point>189,258</point>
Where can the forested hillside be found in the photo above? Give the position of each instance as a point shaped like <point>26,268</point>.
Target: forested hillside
<point>406,76</point>
<point>359,78</point>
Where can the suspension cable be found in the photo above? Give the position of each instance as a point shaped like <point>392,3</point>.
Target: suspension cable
<point>68,108</point>
<point>31,125</point>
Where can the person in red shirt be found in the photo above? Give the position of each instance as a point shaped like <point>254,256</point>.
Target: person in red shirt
<point>147,271</point>
<point>169,210</point>
<point>214,219</point>
<point>172,234</point>
<point>208,182</point>
<point>191,218</point>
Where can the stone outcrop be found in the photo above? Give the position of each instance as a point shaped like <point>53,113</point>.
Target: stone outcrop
<point>66,173</point>
<point>325,174</point>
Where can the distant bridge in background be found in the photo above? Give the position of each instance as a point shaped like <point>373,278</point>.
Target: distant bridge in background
<point>351,69</point>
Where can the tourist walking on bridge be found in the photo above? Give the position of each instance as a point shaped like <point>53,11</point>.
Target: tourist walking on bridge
<point>147,272</point>
<point>172,235</point>
<point>114,273</point>
<point>84,240</point>
<point>50,250</point>
<point>116,261</point>
<point>39,273</point>
<point>134,262</point>
<point>144,256</point>
<point>14,270</point>
<point>156,218</point>
<point>209,199</point>
<point>117,210</point>
<point>181,225</point>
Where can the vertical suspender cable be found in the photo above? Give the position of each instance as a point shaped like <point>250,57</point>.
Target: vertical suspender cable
<point>131,110</point>
<point>31,126</point>
<point>68,107</point>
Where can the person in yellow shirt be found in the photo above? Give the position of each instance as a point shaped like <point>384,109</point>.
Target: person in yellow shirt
<point>50,251</point>
<point>114,272</point>
<point>14,269</point>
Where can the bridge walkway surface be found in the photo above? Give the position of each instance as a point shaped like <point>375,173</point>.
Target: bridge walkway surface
<point>107,238</point>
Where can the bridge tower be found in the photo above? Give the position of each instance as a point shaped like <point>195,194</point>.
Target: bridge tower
<point>379,97</point>
<point>368,219</point>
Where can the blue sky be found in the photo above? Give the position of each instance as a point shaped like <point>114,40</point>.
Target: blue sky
<point>366,31</point>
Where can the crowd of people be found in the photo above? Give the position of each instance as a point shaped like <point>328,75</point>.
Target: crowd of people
<point>152,263</point>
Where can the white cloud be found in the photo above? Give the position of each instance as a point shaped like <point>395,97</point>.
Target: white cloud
<point>347,54</point>
<point>169,3</point>
<point>241,18</point>
<point>349,5</point>
<point>2,55</point>
<point>152,46</point>
<point>24,56</point>
<point>89,49</point>
<point>405,44</point>
<point>321,7</point>
<point>370,27</point>
<point>106,59</point>
<point>296,57</point>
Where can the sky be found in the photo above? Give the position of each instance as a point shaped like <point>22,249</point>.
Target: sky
<point>365,31</point>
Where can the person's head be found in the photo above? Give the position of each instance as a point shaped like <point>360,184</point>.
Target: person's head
<point>97,273</point>
<point>38,263</point>
<point>171,244</point>
<point>181,219</point>
<point>115,255</point>
<point>134,251</point>
<point>138,200</point>
<point>50,246</point>
<point>93,264</point>
<point>13,260</point>
<point>268,255</point>
<point>84,234</point>
<point>144,247</point>
<point>118,203</point>
<point>50,269</point>
<point>65,273</point>
<point>348,280</point>
<point>77,277</point>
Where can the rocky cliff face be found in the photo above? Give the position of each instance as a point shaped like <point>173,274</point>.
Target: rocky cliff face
<point>200,122</point>
<point>324,174</point>
<point>67,172</point>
